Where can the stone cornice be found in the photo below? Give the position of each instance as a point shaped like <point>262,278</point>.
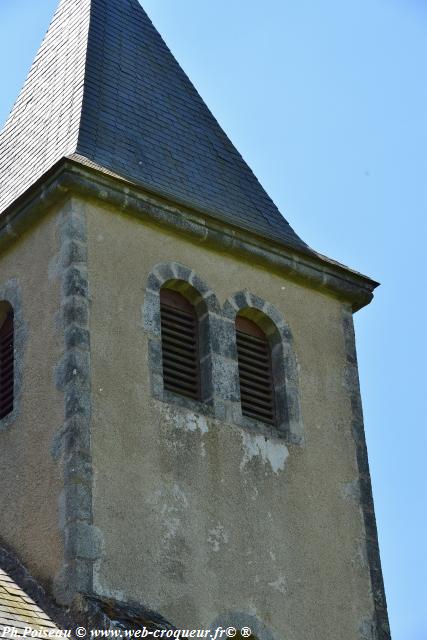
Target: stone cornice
<point>70,177</point>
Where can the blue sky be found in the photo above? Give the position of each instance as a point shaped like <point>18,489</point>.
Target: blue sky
<point>327,102</point>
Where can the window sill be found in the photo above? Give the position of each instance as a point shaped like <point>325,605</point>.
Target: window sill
<point>200,407</point>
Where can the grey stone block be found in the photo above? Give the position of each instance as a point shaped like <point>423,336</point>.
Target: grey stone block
<point>82,541</point>
<point>77,502</point>
<point>73,227</point>
<point>221,409</point>
<point>155,356</point>
<point>151,313</point>
<point>74,368</point>
<point>74,436</point>
<point>74,309</point>
<point>73,252</point>
<point>229,310</point>
<point>212,303</point>
<point>206,377</point>
<point>273,314</point>
<point>157,385</point>
<point>153,283</point>
<point>75,282</point>
<point>223,337</point>
<point>198,284</point>
<point>164,272</point>
<point>75,576</point>
<point>225,378</point>
<point>77,436</point>
<point>77,401</point>
<point>78,469</point>
<point>255,301</point>
<point>181,272</point>
<point>76,337</point>
<point>240,300</point>
<point>204,337</point>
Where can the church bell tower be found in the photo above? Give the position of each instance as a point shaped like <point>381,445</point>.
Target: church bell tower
<point>181,423</point>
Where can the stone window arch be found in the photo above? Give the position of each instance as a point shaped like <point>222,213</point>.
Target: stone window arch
<point>7,358</point>
<point>284,371</point>
<point>12,339</point>
<point>179,278</point>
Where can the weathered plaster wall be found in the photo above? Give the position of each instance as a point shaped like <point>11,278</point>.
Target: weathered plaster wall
<point>201,518</point>
<point>30,480</point>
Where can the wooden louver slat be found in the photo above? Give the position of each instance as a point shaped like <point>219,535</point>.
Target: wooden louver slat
<point>6,365</point>
<point>180,348</point>
<point>255,372</point>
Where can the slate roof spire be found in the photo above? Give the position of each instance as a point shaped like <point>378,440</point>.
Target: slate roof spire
<point>105,89</point>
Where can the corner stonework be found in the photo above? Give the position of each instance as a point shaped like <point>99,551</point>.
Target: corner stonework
<point>379,629</point>
<point>72,446</point>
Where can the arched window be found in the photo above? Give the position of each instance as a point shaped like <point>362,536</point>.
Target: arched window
<point>255,371</point>
<point>180,344</point>
<point>6,359</point>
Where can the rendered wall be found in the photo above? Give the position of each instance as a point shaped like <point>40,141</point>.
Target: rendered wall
<point>30,478</point>
<point>200,518</point>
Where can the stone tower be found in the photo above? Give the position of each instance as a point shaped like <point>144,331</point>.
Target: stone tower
<point>185,429</point>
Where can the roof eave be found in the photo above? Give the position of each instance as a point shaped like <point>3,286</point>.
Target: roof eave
<point>70,176</point>
<point>39,593</point>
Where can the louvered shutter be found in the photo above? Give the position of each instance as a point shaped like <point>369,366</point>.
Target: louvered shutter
<point>180,345</point>
<point>255,372</point>
<point>6,365</point>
